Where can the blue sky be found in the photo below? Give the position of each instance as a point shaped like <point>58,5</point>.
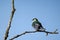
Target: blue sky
<point>47,12</point>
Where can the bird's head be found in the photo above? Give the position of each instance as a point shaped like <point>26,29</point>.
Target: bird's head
<point>34,19</point>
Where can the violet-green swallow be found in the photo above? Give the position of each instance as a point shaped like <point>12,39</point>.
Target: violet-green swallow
<point>37,25</point>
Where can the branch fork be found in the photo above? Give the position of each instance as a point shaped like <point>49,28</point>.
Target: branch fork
<point>55,32</point>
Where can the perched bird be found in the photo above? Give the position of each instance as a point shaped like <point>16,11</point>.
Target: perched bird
<point>37,25</point>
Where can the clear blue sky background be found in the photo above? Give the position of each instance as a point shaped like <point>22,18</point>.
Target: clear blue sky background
<point>47,11</point>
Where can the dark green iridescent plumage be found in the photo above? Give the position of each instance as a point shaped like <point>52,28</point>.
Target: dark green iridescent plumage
<point>37,22</point>
<point>37,25</point>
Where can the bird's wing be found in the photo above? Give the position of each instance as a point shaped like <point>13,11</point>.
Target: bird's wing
<point>35,24</point>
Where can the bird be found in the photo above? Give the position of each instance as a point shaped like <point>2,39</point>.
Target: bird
<point>37,25</point>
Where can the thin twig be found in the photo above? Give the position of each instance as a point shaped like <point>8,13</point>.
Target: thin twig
<point>9,24</point>
<point>33,32</point>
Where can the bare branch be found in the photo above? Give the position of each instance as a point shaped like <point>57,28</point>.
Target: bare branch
<point>9,24</point>
<point>33,32</point>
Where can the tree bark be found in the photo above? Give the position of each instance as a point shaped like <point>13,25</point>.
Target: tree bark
<point>10,21</point>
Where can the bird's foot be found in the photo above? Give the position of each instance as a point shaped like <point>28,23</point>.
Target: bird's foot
<point>42,29</point>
